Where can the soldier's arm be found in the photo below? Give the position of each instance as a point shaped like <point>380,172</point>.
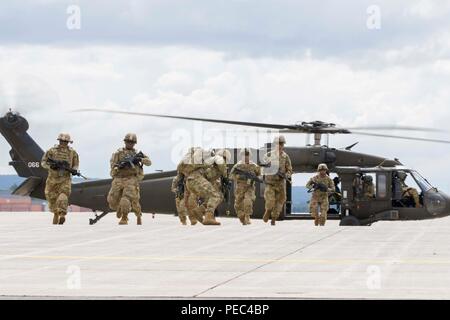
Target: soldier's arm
<point>288,167</point>
<point>233,175</point>
<point>114,160</point>
<point>146,161</point>
<point>257,170</point>
<point>75,161</point>
<point>310,183</point>
<point>331,187</point>
<point>173,188</point>
<point>44,163</point>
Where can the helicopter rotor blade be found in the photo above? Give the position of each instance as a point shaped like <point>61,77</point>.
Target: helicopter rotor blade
<point>240,123</point>
<point>400,137</point>
<point>394,128</point>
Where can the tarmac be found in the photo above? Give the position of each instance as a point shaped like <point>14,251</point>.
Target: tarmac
<point>164,260</point>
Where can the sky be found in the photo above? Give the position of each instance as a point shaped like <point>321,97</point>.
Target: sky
<point>353,63</point>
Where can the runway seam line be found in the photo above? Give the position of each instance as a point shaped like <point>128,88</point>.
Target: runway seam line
<point>267,263</point>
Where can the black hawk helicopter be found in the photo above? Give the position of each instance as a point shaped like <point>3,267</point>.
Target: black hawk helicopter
<point>353,208</point>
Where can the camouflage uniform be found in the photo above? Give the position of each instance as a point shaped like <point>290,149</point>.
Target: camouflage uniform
<point>320,198</point>
<point>58,185</point>
<point>369,190</point>
<point>411,193</point>
<point>275,186</point>
<point>124,194</point>
<point>179,199</point>
<point>244,192</point>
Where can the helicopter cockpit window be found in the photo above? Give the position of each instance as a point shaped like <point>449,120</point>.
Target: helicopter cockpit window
<point>382,186</point>
<point>421,181</point>
<point>405,190</point>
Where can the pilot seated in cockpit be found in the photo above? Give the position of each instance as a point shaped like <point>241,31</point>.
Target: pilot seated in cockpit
<point>368,187</point>
<point>409,194</point>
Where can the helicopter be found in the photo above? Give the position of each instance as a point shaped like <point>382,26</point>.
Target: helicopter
<point>155,188</point>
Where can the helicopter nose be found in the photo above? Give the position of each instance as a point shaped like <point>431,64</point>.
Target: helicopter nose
<point>437,203</point>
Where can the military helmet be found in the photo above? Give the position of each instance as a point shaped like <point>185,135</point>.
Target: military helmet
<point>64,137</point>
<point>322,166</point>
<point>402,175</point>
<point>130,137</point>
<point>279,140</point>
<point>367,179</point>
<point>224,153</point>
<point>245,152</point>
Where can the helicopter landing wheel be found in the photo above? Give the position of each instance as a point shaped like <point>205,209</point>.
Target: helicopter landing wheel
<point>350,221</point>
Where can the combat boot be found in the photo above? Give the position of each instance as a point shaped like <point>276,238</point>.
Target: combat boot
<point>210,220</point>
<point>55,218</point>
<point>242,219</point>
<point>123,220</point>
<point>247,219</point>
<point>193,220</point>
<point>273,221</point>
<point>139,220</point>
<point>266,216</point>
<point>322,221</point>
<point>316,221</point>
<point>62,219</point>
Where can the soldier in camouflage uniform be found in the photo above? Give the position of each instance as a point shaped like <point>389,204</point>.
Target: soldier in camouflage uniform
<point>216,170</point>
<point>320,197</point>
<point>59,182</point>
<point>199,187</point>
<point>279,169</point>
<point>190,201</point>
<point>409,192</point>
<point>368,187</point>
<point>244,192</point>
<point>124,194</point>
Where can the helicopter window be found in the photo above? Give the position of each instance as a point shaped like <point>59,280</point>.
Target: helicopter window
<point>365,186</point>
<point>421,181</point>
<point>381,186</point>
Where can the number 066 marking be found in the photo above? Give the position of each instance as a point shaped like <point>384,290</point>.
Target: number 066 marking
<point>33,164</point>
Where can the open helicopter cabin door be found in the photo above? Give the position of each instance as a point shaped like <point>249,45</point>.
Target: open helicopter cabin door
<point>366,193</point>
<point>298,199</point>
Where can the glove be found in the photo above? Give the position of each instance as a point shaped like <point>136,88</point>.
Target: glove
<point>54,166</point>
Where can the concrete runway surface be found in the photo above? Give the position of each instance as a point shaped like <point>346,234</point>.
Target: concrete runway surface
<point>163,259</point>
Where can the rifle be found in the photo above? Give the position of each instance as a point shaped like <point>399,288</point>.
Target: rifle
<point>248,175</point>
<point>63,165</point>
<point>97,218</point>
<point>131,161</point>
<point>282,175</point>
<point>225,188</point>
<point>318,186</point>
<point>179,193</point>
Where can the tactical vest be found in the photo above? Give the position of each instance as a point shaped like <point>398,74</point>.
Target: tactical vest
<point>61,154</point>
<point>134,171</point>
<point>277,162</point>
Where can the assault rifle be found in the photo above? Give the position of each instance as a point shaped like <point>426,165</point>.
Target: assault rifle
<point>247,175</point>
<point>63,165</point>
<point>318,186</point>
<point>131,161</point>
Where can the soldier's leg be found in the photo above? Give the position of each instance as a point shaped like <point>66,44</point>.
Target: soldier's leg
<point>62,203</point>
<point>269,199</point>
<point>204,189</point>
<point>192,207</point>
<point>239,204</point>
<point>324,207</point>
<point>51,197</point>
<point>314,210</point>
<point>131,192</point>
<point>125,208</point>
<point>179,203</point>
<point>114,196</point>
<point>249,198</point>
<point>280,200</point>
